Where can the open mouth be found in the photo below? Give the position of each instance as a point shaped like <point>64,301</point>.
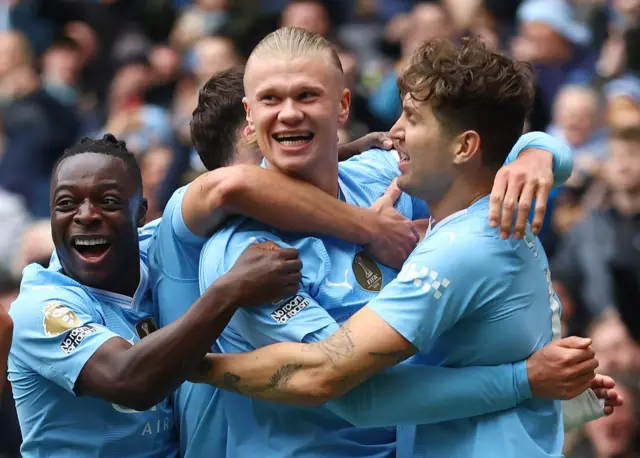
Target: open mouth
<point>404,157</point>
<point>91,249</point>
<point>294,139</point>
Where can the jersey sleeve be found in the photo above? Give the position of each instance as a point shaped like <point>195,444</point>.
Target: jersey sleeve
<point>175,243</point>
<point>562,156</point>
<point>410,394</point>
<point>295,319</point>
<point>55,335</point>
<point>382,167</point>
<point>374,166</point>
<point>440,283</point>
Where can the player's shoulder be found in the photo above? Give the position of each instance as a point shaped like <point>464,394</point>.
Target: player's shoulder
<point>46,292</point>
<point>465,244</point>
<point>370,161</point>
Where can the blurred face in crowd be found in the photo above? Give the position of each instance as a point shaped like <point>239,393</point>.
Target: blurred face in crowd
<point>312,16</point>
<point>128,86</point>
<point>427,21</point>
<point>463,12</point>
<point>213,55</point>
<point>95,210</point>
<point>622,168</point>
<point>616,351</point>
<point>540,44</point>
<point>165,62</point>
<point>615,435</point>
<point>576,113</point>
<point>62,65</point>
<point>622,113</point>
<point>425,151</point>
<point>295,106</point>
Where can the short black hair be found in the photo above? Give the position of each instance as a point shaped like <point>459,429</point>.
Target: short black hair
<point>218,118</point>
<point>108,145</point>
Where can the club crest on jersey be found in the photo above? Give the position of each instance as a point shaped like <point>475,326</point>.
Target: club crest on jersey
<point>146,327</point>
<point>289,309</point>
<point>58,319</point>
<point>367,272</point>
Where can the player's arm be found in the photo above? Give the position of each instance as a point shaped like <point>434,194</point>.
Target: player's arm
<point>140,375</point>
<point>416,394</point>
<point>60,335</point>
<point>295,206</point>
<point>6,334</point>
<point>535,164</point>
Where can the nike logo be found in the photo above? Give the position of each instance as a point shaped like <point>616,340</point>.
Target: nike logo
<point>344,284</point>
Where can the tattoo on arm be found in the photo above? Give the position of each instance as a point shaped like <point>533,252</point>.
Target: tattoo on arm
<point>336,347</point>
<point>277,382</point>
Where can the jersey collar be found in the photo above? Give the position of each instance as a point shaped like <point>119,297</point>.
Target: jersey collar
<point>477,205</point>
<point>123,300</point>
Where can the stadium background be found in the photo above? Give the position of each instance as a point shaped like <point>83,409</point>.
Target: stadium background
<point>133,67</point>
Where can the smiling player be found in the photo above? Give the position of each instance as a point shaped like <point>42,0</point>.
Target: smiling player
<point>90,373</point>
<point>295,101</point>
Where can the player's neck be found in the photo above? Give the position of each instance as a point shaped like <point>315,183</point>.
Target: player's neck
<point>323,176</point>
<point>627,203</point>
<point>463,193</point>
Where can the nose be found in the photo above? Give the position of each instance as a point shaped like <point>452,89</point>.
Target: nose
<point>396,133</point>
<point>290,113</point>
<point>87,215</point>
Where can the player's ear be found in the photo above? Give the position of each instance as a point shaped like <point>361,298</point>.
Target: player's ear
<point>142,212</point>
<point>345,104</point>
<point>248,112</point>
<point>465,146</point>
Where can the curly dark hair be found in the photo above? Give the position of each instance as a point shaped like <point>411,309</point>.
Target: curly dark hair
<point>470,87</point>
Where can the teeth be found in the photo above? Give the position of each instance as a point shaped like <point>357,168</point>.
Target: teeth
<point>89,242</point>
<point>293,142</point>
<point>298,134</point>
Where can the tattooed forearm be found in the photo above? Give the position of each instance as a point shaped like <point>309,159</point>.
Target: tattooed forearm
<point>336,347</point>
<point>231,382</point>
<point>278,381</point>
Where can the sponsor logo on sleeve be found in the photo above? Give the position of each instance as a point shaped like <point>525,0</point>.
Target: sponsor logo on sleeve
<point>58,319</point>
<point>74,338</point>
<point>289,309</point>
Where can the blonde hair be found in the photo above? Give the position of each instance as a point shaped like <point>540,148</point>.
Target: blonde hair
<point>295,42</point>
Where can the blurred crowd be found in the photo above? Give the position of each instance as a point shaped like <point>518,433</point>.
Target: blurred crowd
<point>70,68</point>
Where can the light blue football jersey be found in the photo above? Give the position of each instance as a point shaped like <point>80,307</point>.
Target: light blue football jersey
<point>341,277</point>
<point>465,297</point>
<point>59,324</point>
<point>174,260</point>
<point>338,279</point>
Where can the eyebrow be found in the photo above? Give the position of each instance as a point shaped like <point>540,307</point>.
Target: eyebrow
<point>303,88</point>
<point>108,185</point>
<point>410,109</point>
